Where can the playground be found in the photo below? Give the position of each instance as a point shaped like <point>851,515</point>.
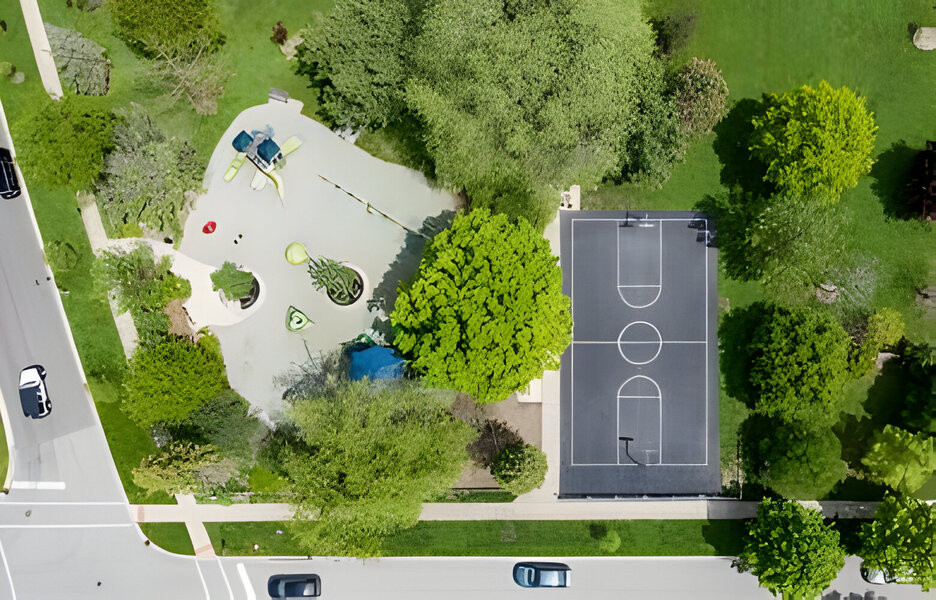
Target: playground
<point>337,202</point>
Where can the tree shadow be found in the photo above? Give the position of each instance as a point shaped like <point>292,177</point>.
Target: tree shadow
<point>403,269</point>
<point>734,335</point>
<point>732,146</point>
<point>892,174</point>
<point>726,536</point>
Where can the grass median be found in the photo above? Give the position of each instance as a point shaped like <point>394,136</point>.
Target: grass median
<point>172,537</point>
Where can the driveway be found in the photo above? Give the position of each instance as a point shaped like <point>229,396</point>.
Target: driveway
<point>254,228</point>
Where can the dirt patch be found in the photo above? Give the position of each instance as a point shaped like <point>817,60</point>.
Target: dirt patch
<point>179,322</point>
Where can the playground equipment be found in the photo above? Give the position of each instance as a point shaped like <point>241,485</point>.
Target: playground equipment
<point>265,154</point>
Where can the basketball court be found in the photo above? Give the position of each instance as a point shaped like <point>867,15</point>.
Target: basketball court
<point>639,397</point>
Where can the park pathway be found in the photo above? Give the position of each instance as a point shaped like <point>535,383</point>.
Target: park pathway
<point>41,49</point>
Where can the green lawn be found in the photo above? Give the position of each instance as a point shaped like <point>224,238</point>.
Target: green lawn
<point>238,539</point>
<point>172,537</point>
<point>4,455</point>
<point>510,538</point>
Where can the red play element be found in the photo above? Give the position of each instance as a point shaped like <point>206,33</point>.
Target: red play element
<point>209,227</point>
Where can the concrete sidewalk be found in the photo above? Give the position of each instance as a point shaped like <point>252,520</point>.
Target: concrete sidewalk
<point>41,49</point>
<point>568,510</point>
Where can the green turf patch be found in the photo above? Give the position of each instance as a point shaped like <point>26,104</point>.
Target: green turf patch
<point>568,538</point>
<point>476,496</point>
<point>129,443</point>
<point>238,539</point>
<point>172,537</point>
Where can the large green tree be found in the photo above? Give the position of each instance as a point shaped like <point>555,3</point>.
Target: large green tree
<point>356,58</point>
<point>900,539</point>
<point>790,550</point>
<point>169,380</point>
<point>372,454</point>
<point>147,176</point>
<point>917,364</point>
<point>787,363</point>
<point>515,100</point>
<point>64,143</point>
<point>902,460</point>
<point>485,314</point>
<point>795,463</point>
<point>814,140</point>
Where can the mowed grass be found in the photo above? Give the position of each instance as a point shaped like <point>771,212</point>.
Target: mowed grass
<point>172,537</point>
<point>508,538</point>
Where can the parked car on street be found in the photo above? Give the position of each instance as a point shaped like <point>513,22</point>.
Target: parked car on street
<point>542,574</point>
<point>9,184</point>
<point>34,396</point>
<point>880,576</point>
<point>294,587</point>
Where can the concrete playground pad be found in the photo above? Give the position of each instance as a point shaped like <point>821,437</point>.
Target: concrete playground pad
<point>253,229</point>
<point>639,383</point>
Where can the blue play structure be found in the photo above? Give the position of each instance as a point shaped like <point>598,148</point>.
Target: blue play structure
<point>375,362</point>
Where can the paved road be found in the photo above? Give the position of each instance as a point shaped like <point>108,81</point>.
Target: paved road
<point>66,529</point>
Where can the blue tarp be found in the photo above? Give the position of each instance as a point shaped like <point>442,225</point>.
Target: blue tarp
<point>242,140</point>
<point>375,362</point>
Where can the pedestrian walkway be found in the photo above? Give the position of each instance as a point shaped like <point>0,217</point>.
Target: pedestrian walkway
<point>41,49</point>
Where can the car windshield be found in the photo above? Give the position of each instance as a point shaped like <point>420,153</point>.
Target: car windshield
<point>550,578</point>
<point>303,589</point>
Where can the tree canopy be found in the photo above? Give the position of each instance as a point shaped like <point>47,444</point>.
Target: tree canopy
<point>787,363</point>
<point>795,463</point>
<point>902,460</point>
<point>917,364</point>
<point>790,550</point>
<point>814,140</point>
<point>372,455</point>
<point>900,539</point>
<point>514,100</point>
<point>64,143</point>
<point>485,314</point>
<point>169,380</point>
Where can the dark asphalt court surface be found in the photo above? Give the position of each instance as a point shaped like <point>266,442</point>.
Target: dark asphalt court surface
<point>643,362</point>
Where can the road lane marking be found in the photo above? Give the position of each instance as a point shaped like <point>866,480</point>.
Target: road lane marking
<point>68,526</point>
<point>37,485</point>
<point>246,581</point>
<point>7,567</point>
<point>226,582</point>
<point>202,577</point>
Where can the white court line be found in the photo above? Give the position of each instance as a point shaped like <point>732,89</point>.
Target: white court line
<point>659,398</point>
<point>658,286</point>
<point>226,582</point>
<point>659,343</point>
<point>37,485</point>
<point>251,595</point>
<point>202,577</point>
<point>663,342</point>
<point>69,526</point>
<point>6,566</point>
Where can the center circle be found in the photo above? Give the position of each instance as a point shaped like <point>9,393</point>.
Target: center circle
<point>639,343</point>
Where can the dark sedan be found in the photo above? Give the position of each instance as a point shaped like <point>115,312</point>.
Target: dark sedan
<point>294,587</point>
<point>542,574</point>
<point>9,184</point>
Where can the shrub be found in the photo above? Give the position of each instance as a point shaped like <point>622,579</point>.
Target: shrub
<point>149,24</point>
<point>917,364</point>
<point>701,95</point>
<point>883,330</point>
<point>672,32</point>
<point>232,282</point>
<point>814,140</point>
<point>176,470</point>
<point>519,468</point>
<point>64,143</point>
<point>141,285</point>
<point>900,459</point>
<point>226,423</point>
<point>279,34</point>
<point>169,380</point>
<point>61,255</point>
<point>147,176</point>
<point>486,314</point>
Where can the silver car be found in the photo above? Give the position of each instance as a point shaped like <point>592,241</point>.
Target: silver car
<point>34,396</point>
<point>542,574</point>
